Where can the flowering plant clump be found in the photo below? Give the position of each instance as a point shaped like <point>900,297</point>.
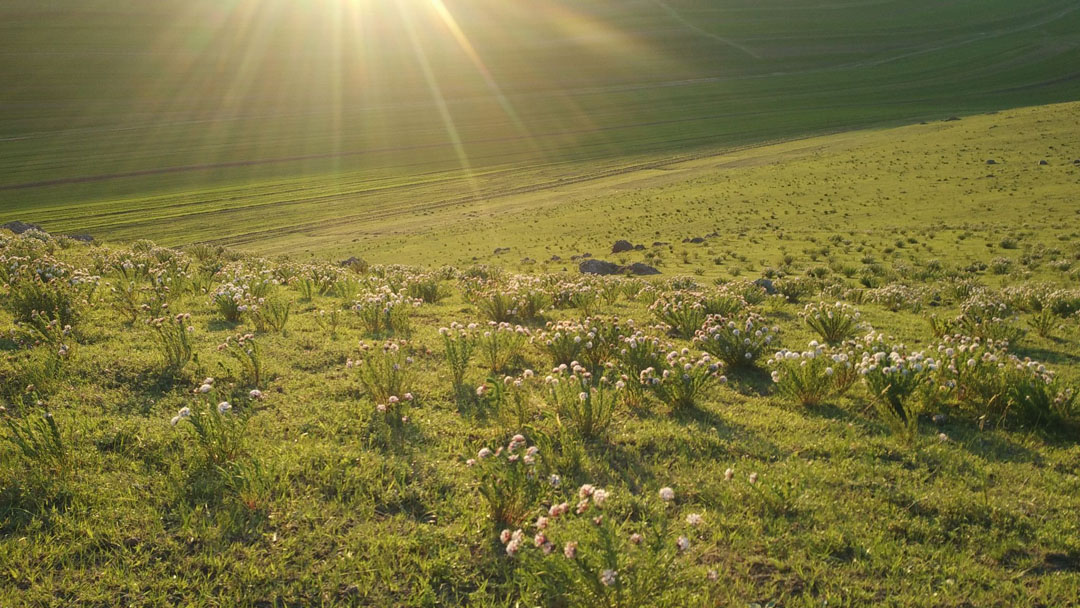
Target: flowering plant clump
<point>500,345</point>
<point>635,354</point>
<point>590,342</point>
<point>495,304</point>
<point>244,350</point>
<point>682,378</point>
<point>511,398</point>
<point>984,316</point>
<point>834,323</point>
<point>508,481</point>
<point>54,289</point>
<point>737,341</point>
<point>329,320</point>
<point>683,312</point>
<point>586,401</point>
<point>385,313</point>
<point>218,426</point>
<point>270,314</point>
<point>896,297</point>
<point>982,375</point>
<point>426,287</point>
<point>390,417</point>
<point>172,337</point>
<point>459,344</point>
<point>383,371</point>
<point>813,375</point>
<point>232,301</point>
<point>893,378</point>
<point>584,551</point>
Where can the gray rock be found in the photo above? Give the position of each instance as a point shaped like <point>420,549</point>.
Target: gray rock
<point>767,285</point>
<point>621,246</point>
<point>641,269</point>
<point>599,267</point>
<point>1043,163</point>
<point>991,162</point>
<point>20,227</point>
<point>82,238</point>
<point>501,250</point>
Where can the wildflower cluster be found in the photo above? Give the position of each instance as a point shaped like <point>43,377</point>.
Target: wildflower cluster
<point>813,375</point>
<point>737,341</point>
<point>383,371</point>
<point>385,313</point>
<point>586,401</point>
<point>508,480</point>
<point>682,378</point>
<point>834,323</point>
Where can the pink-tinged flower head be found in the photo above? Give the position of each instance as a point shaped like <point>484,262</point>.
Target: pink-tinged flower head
<point>694,519</point>
<point>667,494</point>
<point>586,491</point>
<point>599,496</point>
<point>753,477</point>
<point>570,550</point>
<point>683,543</point>
<point>729,474</point>
<point>607,577</point>
<point>636,538</point>
<point>504,537</point>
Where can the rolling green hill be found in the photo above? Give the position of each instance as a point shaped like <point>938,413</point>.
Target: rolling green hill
<point>208,105</point>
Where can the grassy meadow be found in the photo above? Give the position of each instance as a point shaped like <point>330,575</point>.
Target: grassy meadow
<point>201,426</point>
<point>331,345</point>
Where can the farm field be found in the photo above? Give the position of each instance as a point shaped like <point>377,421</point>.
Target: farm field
<point>308,433</point>
<point>202,105</point>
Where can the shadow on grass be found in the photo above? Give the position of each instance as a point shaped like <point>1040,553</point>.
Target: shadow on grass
<point>749,381</point>
<point>24,504</point>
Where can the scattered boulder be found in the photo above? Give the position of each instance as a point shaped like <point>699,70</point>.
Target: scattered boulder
<point>660,243</point>
<point>696,239</point>
<point>82,238</point>
<point>641,269</point>
<point>350,262</point>
<point>767,285</point>
<point>527,261</point>
<point>586,255</point>
<point>952,119</point>
<point>621,246</point>
<point>991,162</point>
<point>20,227</point>
<point>501,250</point>
<point>607,268</point>
<point>639,247</point>
<point>555,258</point>
<point>599,267</point>
<point>1076,162</point>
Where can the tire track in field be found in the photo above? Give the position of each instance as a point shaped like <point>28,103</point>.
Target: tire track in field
<point>385,213</point>
<point>677,16</point>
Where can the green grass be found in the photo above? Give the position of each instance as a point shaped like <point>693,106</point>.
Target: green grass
<point>324,501</point>
<point>318,510</point>
<point>333,97</point>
